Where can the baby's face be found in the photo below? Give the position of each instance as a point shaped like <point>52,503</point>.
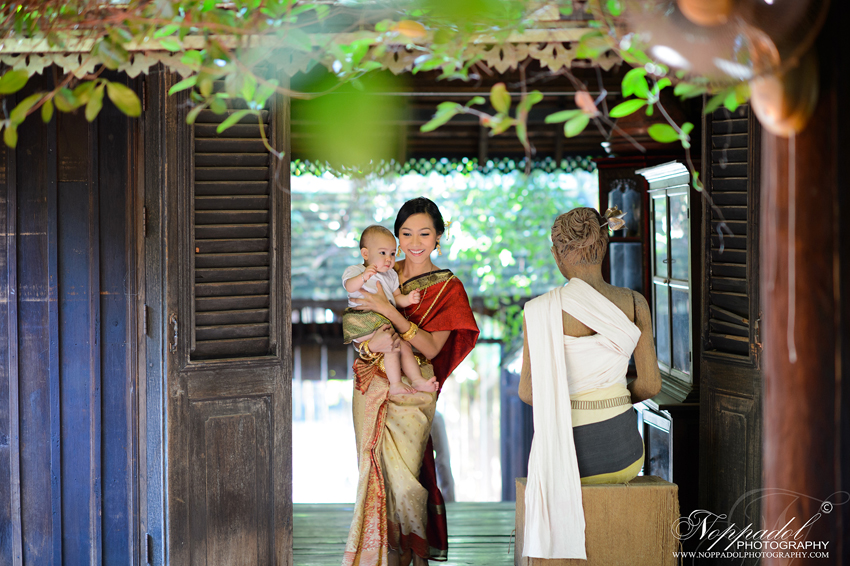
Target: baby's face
<point>380,252</point>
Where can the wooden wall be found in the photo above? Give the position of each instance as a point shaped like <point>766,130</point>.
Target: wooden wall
<point>67,352</point>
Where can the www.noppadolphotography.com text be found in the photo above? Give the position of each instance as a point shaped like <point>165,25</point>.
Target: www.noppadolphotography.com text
<point>738,535</point>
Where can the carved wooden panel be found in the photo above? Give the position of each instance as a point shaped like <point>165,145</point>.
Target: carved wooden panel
<point>732,469</point>
<point>231,470</point>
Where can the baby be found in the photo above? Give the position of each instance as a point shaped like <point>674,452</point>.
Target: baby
<point>378,248</point>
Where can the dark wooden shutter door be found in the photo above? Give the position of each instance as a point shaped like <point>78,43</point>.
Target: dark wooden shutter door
<point>232,239</point>
<point>730,401</point>
<point>225,339</point>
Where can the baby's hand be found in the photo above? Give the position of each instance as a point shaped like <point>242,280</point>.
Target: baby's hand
<point>414,297</point>
<point>370,271</point>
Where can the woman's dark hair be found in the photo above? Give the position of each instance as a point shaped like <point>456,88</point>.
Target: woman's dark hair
<point>418,206</point>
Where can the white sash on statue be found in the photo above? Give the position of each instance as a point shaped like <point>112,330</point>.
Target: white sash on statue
<point>554,517</point>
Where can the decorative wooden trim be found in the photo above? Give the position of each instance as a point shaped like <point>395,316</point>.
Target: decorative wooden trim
<point>153,507</point>
<point>282,434</point>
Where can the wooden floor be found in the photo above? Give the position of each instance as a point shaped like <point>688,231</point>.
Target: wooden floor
<point>480,534</point>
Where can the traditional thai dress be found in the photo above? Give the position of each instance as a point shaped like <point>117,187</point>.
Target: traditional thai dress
<point>399,505</point>
<point>579,374</point>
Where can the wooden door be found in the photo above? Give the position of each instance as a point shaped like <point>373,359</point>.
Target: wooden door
<point>68,338</point>
<point>221,333</point>
<point>731,378</point>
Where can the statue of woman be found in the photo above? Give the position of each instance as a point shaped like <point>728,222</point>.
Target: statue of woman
<point>578,342</point>
<point>399,515</point>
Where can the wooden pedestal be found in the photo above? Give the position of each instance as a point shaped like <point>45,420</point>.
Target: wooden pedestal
<point>626,524</point>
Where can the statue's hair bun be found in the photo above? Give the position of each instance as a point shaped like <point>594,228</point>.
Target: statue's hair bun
<point>580,236</point>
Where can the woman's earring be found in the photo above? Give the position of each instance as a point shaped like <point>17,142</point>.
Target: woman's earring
<point>399,250</point>
<point>439,251</point>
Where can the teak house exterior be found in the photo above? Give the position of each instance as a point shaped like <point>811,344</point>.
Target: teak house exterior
<point>145,330</point>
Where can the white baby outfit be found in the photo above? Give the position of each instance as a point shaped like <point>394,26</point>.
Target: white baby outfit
<point>389,283</point>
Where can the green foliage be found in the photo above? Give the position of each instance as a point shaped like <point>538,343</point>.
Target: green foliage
<point>236,41</point>
<point>497,243</point>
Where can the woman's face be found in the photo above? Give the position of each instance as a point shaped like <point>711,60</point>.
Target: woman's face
<point>418,238</point>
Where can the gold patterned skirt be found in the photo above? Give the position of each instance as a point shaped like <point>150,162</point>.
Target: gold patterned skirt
<point>391,434</point>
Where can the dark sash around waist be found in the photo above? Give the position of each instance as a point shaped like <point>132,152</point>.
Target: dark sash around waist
<point>608,446</point>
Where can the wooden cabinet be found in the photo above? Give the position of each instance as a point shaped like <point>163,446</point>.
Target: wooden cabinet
<point>627,262</point>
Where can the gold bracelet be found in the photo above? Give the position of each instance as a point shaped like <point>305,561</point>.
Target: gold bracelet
<point>411,332</point>
<point>365,353</point>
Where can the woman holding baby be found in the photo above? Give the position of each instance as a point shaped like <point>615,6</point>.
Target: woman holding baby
<point>399,516</point>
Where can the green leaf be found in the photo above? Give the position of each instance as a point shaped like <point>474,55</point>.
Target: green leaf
<point>687,127</point>
<point>193,58</point>
<point>714,102</point>
<point>188,82</point>
<point>264,91</point>
<point>577,125</point>
<point>499,126</point>
<point>529,100</point>
<point>592,45</point>
<point>731,101</point>
<point>83,91</point>
<point>13,81</point>
<point>10,135</point>
<point>688,90</point>
<point>124,99</point>
<point>193,113</point>
<point>170,44</point>
<point>249,87</point>
<point>660,85</point>
<point>47,111</point>
<point>65,100</point>
<point>475,100</point>
<point>94,104</point>
<point>218,105</point>
<point>19,113</point>
<point>165,31</point>
<point>663,133</point>
<point>562,116</point>
<point>634,83</point>
<point>627,107</point>
<point>614,7</point>
<point>232,119</point>
<point>443,115</point>
<point>522,132</point>
<point>205,85</point>
<point>500,98</point>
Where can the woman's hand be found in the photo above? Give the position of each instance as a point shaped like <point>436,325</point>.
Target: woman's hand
<point>385,340</point>
<point>376,302</point>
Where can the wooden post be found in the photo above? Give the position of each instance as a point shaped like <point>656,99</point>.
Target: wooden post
<point>804,218</point>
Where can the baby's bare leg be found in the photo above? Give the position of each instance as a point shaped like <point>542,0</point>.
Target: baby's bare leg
<point>412,371</point>
<point>392,365</point>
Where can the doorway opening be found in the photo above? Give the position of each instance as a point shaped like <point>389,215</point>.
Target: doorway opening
<point>497,244</point>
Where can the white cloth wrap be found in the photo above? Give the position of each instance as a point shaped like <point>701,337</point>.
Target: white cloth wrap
<point>554,517</point>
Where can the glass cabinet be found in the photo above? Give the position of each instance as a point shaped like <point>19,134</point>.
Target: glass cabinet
<point>669,194</point>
